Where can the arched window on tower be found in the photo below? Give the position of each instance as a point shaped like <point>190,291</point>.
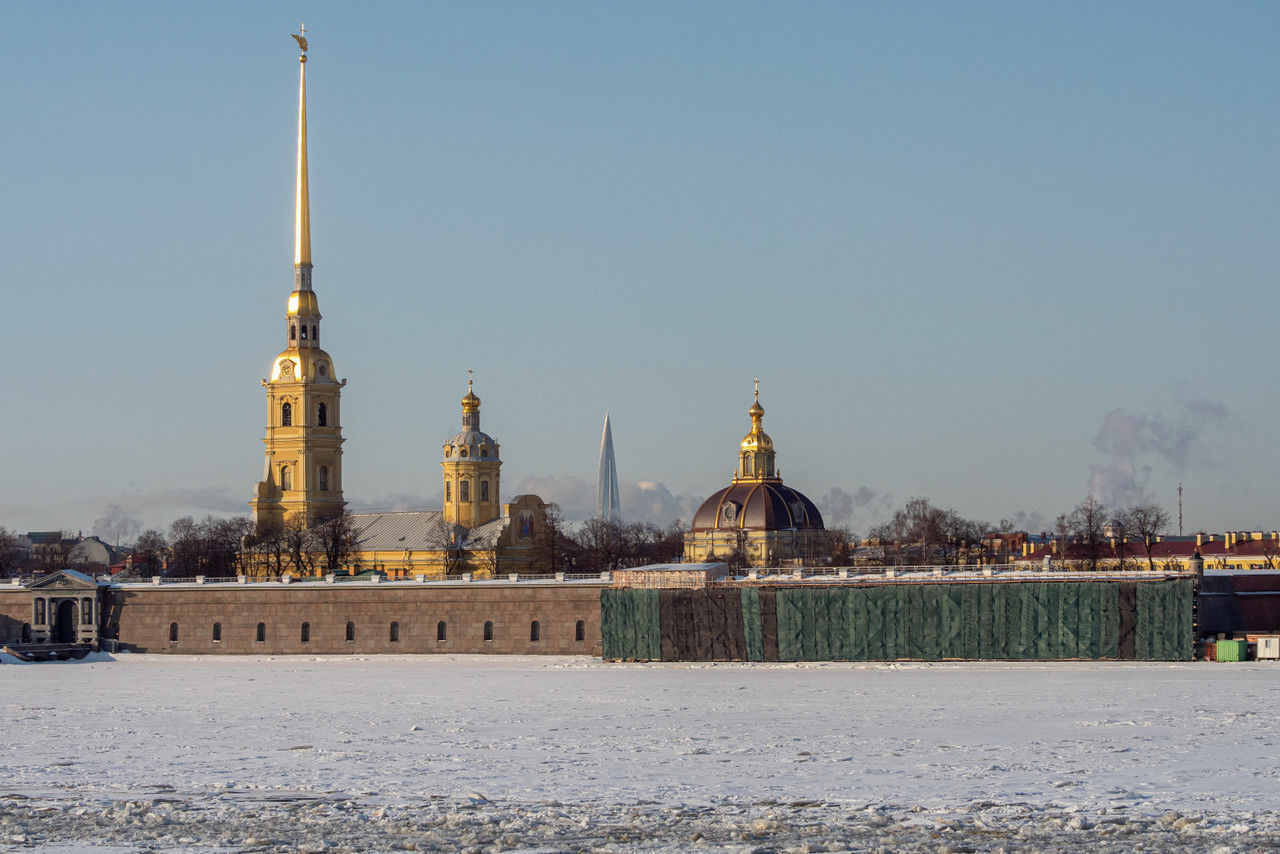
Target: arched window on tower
<point>322,415</point>
<point>464,490</point>
<point>286,414</point>
<point>314,335</point>
<point>286,482</point>
<point>304,332</point>
<point>324,478</point>
<point>293,333</point>
<point>484,490</point>
<point>484,452</point>
<point>448,493</point>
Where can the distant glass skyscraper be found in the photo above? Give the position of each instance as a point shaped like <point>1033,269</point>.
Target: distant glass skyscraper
<point>608,504</point>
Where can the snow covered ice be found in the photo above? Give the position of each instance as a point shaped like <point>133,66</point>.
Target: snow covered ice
<point>443,753</point>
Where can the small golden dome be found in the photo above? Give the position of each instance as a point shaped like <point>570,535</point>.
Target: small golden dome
<point>303,303</point>
<point>470,401</point>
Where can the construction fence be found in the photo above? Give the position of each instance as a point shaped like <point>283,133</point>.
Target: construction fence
<point>930,621</point>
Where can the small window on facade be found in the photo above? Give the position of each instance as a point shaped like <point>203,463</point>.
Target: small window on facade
<point>173,633</point>
<point>322,415</point>
<point>484,452</point>
<point>448,493</point>
<point>351,631</point>
<point>86,611</point>
<point>293,333</point>
<point>488,630</point>
<point>286,482</point>
<point>484,490</point>
<point>441,631</point>
<point>305,635</point>
<point>261,636</point>
<point>463,452</point>
<point>324,478</point>
<point>464,490</point>
<point>217,632</point>
<point>580,631</point>
<point>304,332</point>
<point>535,632</point>
<point>395,632</point>
<point>286,414</point>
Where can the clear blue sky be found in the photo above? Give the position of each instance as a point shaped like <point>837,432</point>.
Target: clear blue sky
<point>951,240</point>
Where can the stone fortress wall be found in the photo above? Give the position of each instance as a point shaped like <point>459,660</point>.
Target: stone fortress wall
<point>353,617</point>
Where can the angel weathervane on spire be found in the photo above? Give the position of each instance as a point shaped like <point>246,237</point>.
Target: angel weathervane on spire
<point>301,37</point>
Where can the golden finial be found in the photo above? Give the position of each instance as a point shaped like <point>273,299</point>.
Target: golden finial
<point>470,402</point>
<point>302,203</point>
<point>757,388</point>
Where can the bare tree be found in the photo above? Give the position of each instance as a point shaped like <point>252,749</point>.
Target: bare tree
<point>52,555</point>
<point>299,545</point>
<point>550,542</point>
<point>1147,521</point>
<point>1118,529</point>
<point>149,552</point>
<point>335,534</point>
<point>10,553</point>
<point>1085,525</point>
<point>842,543</point>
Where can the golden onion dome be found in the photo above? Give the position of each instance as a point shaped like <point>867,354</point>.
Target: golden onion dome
<point>470,401</point>
<point>303,303</point>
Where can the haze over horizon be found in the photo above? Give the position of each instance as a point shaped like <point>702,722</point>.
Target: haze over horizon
<point>1001,255</point>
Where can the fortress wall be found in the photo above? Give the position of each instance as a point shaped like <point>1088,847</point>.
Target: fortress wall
<point>140,617</point>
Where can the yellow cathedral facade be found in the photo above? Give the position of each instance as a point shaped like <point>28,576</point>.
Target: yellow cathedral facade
<point>474,533</point>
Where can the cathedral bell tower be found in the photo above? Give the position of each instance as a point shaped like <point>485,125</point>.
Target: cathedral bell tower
<point>302,474</point>
<point>471,465</point>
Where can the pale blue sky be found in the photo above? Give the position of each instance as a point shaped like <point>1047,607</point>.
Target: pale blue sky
<point>948,238</point>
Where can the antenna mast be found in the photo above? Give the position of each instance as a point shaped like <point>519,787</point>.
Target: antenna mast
<point>1179,508</point>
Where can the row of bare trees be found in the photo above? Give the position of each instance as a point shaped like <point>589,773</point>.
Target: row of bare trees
<point>1092,532</point>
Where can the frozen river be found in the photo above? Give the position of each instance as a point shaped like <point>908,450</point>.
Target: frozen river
<point>546,754</point>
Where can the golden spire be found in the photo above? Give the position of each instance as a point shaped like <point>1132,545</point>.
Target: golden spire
<point>302,206</point>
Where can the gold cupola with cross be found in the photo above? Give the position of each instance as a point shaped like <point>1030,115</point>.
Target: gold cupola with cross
<point>471,469</point>
<point>756,456</point>
<point>302,472</point>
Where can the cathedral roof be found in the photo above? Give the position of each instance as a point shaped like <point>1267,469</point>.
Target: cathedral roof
<point>420,530</point>
<point>757,506</point>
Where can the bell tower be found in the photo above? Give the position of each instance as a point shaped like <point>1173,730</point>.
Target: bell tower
<point>302,472</point>
<point>471,465</point>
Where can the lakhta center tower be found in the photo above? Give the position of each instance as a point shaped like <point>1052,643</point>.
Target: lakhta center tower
<point>302,473</point>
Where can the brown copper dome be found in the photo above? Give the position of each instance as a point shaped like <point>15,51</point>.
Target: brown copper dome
<point>757,506</point>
